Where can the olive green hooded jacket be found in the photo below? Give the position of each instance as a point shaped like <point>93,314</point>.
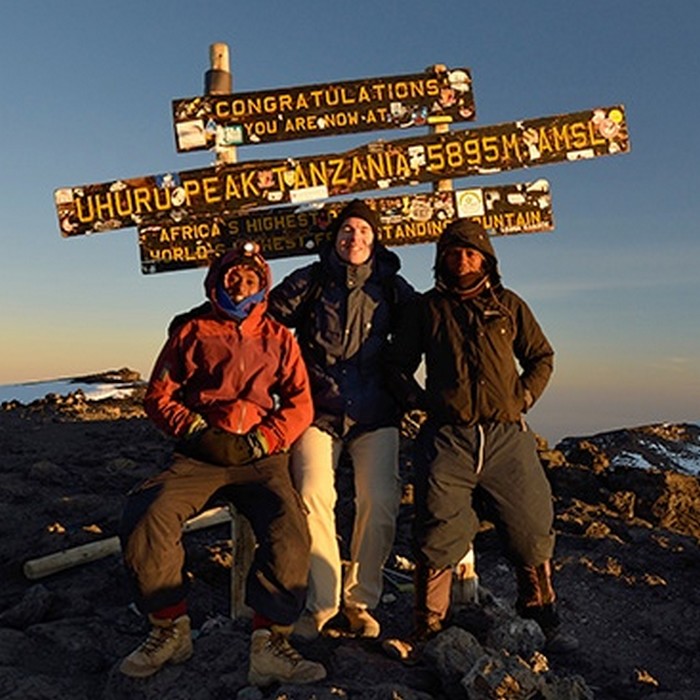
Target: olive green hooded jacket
<point>470,346</point>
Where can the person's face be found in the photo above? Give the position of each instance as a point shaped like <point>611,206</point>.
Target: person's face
<point>460,261</point>
<point>240,282</point>
<point>354,241</point>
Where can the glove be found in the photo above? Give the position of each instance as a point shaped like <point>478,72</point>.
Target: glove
<point>197,425</point>
<point>412,422</point>
<point>229,449</point>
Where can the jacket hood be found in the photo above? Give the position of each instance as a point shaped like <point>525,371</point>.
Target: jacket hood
<point>235,256</point>
<point>468,234</point>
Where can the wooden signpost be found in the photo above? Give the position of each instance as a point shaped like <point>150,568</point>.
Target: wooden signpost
<point>381,165</point>
<point>293,231</point>
<point>353,106</point>
<point>185,218</point>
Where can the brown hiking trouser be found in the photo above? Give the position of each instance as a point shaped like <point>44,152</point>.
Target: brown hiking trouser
<point>262,492</point>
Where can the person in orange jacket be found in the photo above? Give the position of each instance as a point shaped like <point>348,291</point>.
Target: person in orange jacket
<point>231,387</point>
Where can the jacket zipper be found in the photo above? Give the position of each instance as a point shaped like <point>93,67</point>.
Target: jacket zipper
<point>481,448</point>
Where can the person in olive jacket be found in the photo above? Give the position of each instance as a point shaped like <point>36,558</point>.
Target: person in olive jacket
<point>471,331</point>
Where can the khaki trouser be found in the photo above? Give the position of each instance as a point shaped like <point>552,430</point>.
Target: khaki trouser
<point>155,511</point>
<point>374,455</point>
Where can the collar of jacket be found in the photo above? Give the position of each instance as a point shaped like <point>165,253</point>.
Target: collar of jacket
<point>383,262</point>
<point>479,285</point>
<point>351,276</point>
<point>247,325</point>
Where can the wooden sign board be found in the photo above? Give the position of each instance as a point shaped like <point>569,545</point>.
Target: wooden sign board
<point>355,106</point>
<point>293,231</point>
<point>226,190</point>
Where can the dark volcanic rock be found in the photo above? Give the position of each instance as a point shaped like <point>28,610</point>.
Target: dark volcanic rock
<point>626,567</point>
<point>664,447</point>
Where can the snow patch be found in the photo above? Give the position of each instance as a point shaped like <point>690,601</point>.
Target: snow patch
<point>631,459</point>
<point>26,393</point>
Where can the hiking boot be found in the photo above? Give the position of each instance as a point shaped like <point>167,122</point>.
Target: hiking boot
<point>169,641</point>
<point>547,617</point>
<point>559,642</point>
<point>361,622</point>
<point>408,651</point>
<point>274,659</point>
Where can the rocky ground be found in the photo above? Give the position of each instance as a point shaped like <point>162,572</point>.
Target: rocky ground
<point>627,566</point>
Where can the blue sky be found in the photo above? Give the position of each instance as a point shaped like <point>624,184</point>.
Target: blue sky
<point>87,87</point>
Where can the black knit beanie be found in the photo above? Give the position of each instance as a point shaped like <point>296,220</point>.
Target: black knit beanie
<point>360,210</point>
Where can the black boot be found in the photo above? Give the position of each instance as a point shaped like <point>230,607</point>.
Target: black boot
<point>431,606</point>
<point>536,601</point>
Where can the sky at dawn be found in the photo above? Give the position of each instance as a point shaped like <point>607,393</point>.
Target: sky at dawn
<point>87,88</point>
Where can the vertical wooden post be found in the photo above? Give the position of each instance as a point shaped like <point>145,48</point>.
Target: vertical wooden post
<point>441,185</point>
<point>219,81</point>
<point>243,546</point>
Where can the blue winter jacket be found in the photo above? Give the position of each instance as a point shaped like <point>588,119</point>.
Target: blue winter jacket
<point>343,315</point>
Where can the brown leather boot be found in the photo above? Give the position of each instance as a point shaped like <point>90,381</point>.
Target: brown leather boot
<point>534,586</point>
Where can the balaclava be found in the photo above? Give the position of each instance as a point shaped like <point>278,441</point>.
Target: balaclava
<point>467,234</point>
<point>243,254</point>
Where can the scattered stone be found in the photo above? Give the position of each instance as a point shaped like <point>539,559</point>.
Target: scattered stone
<point>627,563</point>
<point>33,608</point>
<point>516,636</point>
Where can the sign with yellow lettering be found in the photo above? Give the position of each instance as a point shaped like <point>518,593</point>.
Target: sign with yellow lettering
<point>293,231</point>
<point>436,96</point>
<point>228,189</point>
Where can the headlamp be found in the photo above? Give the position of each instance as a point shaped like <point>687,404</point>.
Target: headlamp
<point>250,248</point>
